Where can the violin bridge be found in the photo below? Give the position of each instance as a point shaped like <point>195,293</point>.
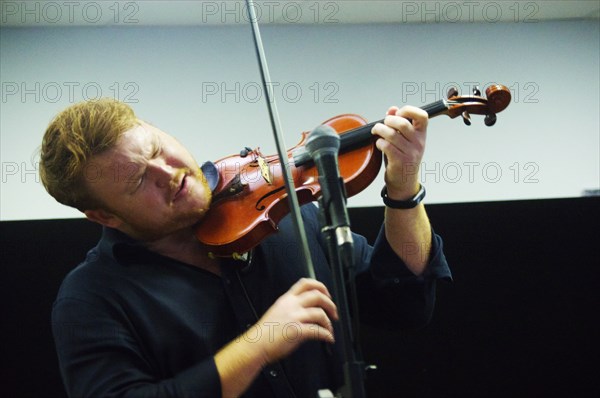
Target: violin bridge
<point>264,170</point>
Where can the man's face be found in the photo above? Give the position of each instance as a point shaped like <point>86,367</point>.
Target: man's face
<point>150,184</point>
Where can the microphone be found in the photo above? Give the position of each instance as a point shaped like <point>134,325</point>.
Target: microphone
<point>322,145</point>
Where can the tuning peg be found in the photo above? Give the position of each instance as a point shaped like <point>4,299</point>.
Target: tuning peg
<point>490,119</point>
<point>466,118</point>
<point>244,152</point>
<point>452,92</point>
<point>476,91</point>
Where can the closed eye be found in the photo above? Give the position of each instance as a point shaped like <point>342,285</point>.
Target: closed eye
<point>154,150</point>
<point>138,181</point>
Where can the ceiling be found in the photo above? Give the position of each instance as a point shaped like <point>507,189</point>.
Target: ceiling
<point>210,13</point>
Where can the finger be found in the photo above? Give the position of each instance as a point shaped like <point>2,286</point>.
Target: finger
<point>317,316</point>
<point>314,298</point>
<point>401,126</point>
<point>392,142</point>
<point>392,110</point>
<point>389,132</point>
<point>316,332</point>
<point>391,151</point>
<point>419,117</point>
<point>307,284</point>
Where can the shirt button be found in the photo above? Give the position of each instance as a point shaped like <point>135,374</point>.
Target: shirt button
<point>273,373</point>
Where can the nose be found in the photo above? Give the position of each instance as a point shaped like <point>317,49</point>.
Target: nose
<point>160,172</point>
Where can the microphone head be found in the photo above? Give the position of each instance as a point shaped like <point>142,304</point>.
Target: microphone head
<point>322,139</point>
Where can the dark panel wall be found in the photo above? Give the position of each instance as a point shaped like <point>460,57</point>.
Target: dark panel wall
<point>520,318</point>
<point>36,255</point>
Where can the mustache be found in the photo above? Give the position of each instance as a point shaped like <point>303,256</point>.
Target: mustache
<point>177,182</point>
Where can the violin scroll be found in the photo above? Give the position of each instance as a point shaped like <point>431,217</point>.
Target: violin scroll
<point>497,99</point>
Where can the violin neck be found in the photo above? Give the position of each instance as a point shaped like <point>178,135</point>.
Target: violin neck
<point>357,137</point>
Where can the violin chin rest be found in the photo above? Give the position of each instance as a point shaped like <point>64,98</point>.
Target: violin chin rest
<point>211,173</point>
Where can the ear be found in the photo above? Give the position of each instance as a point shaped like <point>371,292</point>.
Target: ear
<point>103,217</point>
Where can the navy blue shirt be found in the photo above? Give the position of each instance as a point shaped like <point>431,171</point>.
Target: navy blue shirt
<point>129,322</point>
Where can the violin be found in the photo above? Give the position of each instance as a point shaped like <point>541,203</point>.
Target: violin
<point>250,198</point>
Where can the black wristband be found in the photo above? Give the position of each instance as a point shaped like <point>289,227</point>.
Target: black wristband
<point>403,204</point>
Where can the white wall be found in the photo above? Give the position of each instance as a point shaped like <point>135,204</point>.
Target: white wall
<point>545,145</point>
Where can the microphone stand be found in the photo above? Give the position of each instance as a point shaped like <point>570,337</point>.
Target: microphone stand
<point>335,226</point>
<point>342,265</point>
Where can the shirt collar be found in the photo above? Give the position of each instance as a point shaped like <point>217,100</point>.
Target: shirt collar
<point>126,250</point>
<point>122,248</point>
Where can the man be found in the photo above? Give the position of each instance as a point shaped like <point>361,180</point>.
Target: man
<point>149,313</point>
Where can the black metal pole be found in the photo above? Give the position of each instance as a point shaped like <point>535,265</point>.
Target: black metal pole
<point>281,150</point>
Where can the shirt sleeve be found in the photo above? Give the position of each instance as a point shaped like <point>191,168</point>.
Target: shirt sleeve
<point>99,357</point>
<point>390,295</point>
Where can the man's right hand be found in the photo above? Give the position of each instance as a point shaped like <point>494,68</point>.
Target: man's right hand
<point>303,313</point>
